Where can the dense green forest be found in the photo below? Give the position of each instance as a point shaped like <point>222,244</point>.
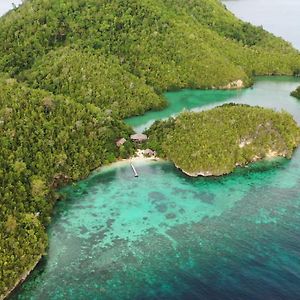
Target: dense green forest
<point>45,141</point>
<point>133,50</point>
<point>214,142</point>
<point>96,79</point>
<point>71,69</point>
<point>296,93</point>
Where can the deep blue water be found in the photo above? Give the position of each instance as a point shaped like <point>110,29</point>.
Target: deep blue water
<point>172,237</point>
<point>166,236</point>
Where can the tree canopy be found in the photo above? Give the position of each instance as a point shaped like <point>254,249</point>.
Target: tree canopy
<point>122,54</point>
<point>214,142</point>
<point>70,70</point>
<point>46,141</point>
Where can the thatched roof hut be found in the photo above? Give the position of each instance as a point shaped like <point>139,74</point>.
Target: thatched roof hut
<point>139,137</point>
<point>149,152</point>
<point>120,142</point>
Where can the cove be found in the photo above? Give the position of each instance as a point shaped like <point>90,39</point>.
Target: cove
<point>272,92</point>
<point>166,236</point>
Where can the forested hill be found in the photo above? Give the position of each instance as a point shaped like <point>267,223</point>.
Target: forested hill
<point>45,141</point>
<point>71,70</point>
<point>121,54</point>
<point>198,146</point>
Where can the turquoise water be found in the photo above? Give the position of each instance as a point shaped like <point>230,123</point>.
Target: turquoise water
<point>272,92</point>
<point>166,236</point>
<point>173,237</point>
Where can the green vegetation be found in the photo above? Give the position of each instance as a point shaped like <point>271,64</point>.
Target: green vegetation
<point>73,68</point>
<point>214,142</point>
<point>296,93</point>
<point>45,141</point>
<point>121,55</point>
<point>96,79</point>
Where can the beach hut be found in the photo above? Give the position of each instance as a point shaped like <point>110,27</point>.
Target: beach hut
<point>120,142</point>
<point>149,152</point>
<point>139,137</point>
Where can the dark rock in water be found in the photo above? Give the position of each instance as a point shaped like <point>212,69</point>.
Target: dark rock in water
<point>109,222</point>
<point>206,197</point>
<point>157,196</point>
<point>170,216</point>
<point>173,205</point>
<point>162,208</point>
<point>83,230</point>
<point>179,191</point>
<point>203,196</point>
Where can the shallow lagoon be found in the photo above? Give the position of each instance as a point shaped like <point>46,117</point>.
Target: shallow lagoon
<point>166,236</point>
<point>271,92</point>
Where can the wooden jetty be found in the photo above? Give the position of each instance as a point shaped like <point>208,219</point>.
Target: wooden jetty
<point>134,170</point>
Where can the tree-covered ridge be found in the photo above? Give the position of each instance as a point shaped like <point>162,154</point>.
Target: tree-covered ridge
<point>84,64</point>
<point>296,93</point>
<point>93,78</point>
<point>214,142</point>
<point>45,141</point>
<point>257,51</point>
<point>214,15</point>
<point>157,45</point>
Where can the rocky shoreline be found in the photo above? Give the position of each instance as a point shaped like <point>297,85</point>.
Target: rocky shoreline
<point>207,173</point>
<point>22,278</point>
<point>139,156</point>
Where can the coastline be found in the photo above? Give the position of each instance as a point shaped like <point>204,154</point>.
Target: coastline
<point>23,277</point>
<point>247,51</point>
<point>121,162</point>
<point>139,158</point>
<point>206,173</point>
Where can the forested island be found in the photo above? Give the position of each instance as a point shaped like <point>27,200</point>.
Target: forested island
<point>296,93</point>
<point>72,70</point>
<point>214,142</point>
